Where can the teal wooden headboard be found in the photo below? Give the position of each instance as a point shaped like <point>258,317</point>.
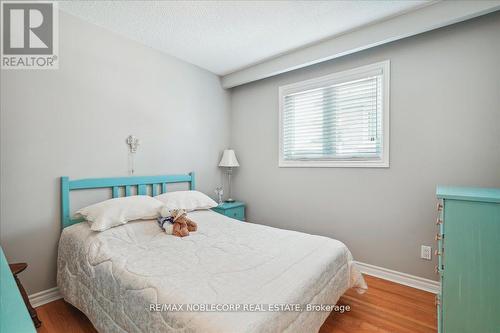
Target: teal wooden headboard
<point>158,185</point>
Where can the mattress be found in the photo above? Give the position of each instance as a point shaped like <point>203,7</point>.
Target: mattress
<point>234,276</point>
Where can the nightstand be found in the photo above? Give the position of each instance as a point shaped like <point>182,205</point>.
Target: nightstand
<point>235,210</point>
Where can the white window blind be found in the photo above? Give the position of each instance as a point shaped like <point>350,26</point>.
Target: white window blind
<point>337,120</point>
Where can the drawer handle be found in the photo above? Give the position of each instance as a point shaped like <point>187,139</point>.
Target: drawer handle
<point>439,237</point>
<point>439,206</point>
<point>439,221</point>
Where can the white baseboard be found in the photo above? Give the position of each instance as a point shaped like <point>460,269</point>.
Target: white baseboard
<point>49,295</point>
<point>401,278</point>
<point>44,297</point>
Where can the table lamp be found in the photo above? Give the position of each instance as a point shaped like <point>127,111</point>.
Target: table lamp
<point>229,162</point>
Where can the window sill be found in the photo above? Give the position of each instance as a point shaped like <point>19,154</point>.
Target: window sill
<point>334,164</point>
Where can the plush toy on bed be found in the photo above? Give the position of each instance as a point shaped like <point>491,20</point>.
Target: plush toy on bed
<point>175,222</point>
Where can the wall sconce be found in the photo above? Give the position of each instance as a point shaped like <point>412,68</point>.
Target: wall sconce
<point>132,143</point>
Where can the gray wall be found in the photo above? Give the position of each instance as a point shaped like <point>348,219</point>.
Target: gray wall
<point>445,129</point>
<point>74,121</point>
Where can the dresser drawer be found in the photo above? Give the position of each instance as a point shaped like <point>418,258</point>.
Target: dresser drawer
<point>236,213</point>
<point>439,313</point>
<point>235,210</point>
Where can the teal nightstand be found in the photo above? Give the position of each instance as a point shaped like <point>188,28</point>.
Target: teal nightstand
<point>235,210</point>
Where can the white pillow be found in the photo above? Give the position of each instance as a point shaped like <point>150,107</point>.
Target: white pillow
<point>187,200</point>
<point>113,212</point>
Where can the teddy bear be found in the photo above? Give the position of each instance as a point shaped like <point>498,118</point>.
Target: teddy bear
<point>175,222</point>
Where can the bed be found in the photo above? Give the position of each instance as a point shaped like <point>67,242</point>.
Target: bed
<point>234,276</point>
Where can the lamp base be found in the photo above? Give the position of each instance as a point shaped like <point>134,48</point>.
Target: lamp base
<point>229,200</point>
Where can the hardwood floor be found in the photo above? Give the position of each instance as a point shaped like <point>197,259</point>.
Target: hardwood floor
<point>61,317</point>
<point>385,307</point>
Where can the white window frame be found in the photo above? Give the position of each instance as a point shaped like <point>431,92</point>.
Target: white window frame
<point>334,78</point>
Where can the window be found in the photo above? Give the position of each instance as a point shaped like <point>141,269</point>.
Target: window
<point>339,120</point>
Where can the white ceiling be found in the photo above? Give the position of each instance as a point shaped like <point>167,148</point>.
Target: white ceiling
<point>225,36</point>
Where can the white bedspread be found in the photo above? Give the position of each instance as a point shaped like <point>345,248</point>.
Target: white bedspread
<point>114,276</point>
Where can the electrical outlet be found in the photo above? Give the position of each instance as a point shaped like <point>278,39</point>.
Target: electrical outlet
<point>426,252</point>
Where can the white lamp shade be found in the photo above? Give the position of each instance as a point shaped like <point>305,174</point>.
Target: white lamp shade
<point>229,159</point>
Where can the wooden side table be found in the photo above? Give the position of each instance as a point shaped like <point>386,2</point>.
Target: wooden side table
<point>16,269</point>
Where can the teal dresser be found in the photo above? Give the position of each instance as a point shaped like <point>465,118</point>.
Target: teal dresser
<point>14,316</point>
<point>235,210</point>
<point>468,260</point>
